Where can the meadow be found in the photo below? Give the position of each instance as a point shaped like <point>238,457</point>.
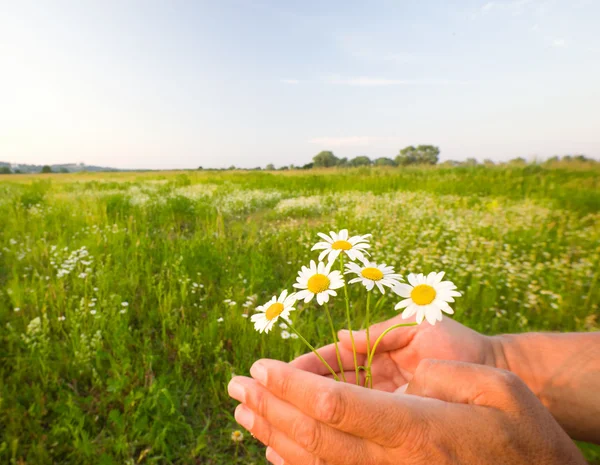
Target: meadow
<point>124,297</point>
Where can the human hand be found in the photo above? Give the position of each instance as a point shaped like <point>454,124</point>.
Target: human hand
<point>452,414</point>
<point>401,351</point>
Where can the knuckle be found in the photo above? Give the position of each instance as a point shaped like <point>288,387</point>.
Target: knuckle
<point>509,381</point>
<point>330,406</point>
<point>261,402</point>
<point>305,432</point>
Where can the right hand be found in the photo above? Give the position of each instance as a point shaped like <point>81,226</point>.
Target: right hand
<point>401,351</point>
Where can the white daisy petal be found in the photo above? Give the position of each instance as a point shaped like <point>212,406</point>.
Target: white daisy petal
<point>403,290</point>
<point>402,304</point>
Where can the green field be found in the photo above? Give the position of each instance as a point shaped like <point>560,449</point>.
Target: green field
<point>113,287</point>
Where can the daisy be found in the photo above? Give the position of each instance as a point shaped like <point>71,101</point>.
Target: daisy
<point>318,280</point>
<point>276,308</point>
<point>371,274</point>
<point>336,243</point>
<point>237,436</point>
<point>427,296</point>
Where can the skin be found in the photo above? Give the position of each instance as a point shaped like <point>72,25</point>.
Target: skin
<point>484,415</point>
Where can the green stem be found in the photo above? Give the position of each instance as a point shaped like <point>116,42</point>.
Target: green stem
<point>368,323</point>
<point>335,376</point>
<point>391,328</point>
<point>335,343</point>
<point>349,320</point>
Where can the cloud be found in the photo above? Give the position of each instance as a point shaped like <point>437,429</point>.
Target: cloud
<point>559,43</point>
<point>289,81</point>
<point>351,141</point>
<point>365,81</point>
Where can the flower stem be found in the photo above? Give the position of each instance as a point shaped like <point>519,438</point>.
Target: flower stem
<point>335,376</point>
<point>349,320</point>
<point>368,323</point>
<point>391,328</point>
<point>335,343</point>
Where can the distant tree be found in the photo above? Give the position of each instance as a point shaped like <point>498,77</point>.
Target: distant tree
<point>63,170</point>
<point>200,168</point>
<point>343,162</point>
<point>422,155</point>
<point>46,169</point>
<point>5,170</point>
<point>283,168</point>
<point>232,167</point>
<point>488,162</point>
<point>518,161</point>
<point>18,172</point>
<point>384,161</point>
<point>325,159</point>
<point>308,166</point>
<point>470,162</point>
<point>270,167</point>
<point>361,160</point>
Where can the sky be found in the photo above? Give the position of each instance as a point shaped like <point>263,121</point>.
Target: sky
<point>182,84</point>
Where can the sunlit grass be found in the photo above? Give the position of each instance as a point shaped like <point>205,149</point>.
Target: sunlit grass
<point>130,361</point>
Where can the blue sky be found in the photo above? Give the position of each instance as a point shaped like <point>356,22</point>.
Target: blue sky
<point>180,84</point>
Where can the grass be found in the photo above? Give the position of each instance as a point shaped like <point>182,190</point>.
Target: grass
<point>128,275</point>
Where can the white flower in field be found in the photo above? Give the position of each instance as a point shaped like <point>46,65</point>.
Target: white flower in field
<point>237,436</point>
<point>17,309</point>
<point>285,335</point>
<point>370,274</point>
<point>319,281</point>
<point>427,296</point>
<point>244,315</point>
<point>283,325</point>
<point>123,311</point>
<point>124,304</point>
<point>220,320</point>
<point>294,336</point>
<point>82,275</point>
<point>336,243</point>
<point>62,318</point>
<point>268,314</point>
<point>92,312</point>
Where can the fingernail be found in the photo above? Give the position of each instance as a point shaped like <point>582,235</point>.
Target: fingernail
<point>402,389</point>
<point>236,391</point>
<point>273,457</point>
<point>244,416</point>
<point>259,373</point>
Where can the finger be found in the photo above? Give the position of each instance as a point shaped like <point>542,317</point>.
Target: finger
<point>471,384</point>
<point>284,448</point>
<point>379,416</point>
<point>316,438</point>
<point>351,377</point>
<point>310,362</point>
<point>396,339</point>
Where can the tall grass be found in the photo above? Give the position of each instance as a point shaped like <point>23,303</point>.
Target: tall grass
<point>112,287</point>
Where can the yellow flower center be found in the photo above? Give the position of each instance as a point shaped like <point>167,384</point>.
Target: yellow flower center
<point>274,311</point>
<point>423,294</point>
<point>318,283</point>
<point>341,245</point>
<point>374,274</point>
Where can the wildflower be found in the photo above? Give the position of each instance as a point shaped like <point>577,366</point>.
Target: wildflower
<point>371,274</point>
<point>123,311</point>
<point>125,304</point>
<point>294,336</point>
<point>285,335</point>
<point>274,309</point>
<point>62,318</point>
<point>17,309</point>
<point>283,325</point>
<point>92,312</point>
<point>427,296</point>
<point>220,320</point>
<point>237,436</point>
<point>355,246</point>
<point>319,281</point>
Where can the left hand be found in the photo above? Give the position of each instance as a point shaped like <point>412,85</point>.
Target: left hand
<point>456,414</point>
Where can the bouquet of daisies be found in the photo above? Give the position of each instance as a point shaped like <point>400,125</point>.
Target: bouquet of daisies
<point>424,297</point>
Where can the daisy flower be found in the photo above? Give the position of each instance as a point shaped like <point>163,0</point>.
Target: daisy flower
<point>276,308</point>
<point>237,436</point>
<point>371,274</point>
<point>427,296</point>
<point>319,281</point>
<point>336,243</point>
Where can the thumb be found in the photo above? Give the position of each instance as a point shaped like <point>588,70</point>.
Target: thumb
<point>396,339</point>
<point>467,383</point>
